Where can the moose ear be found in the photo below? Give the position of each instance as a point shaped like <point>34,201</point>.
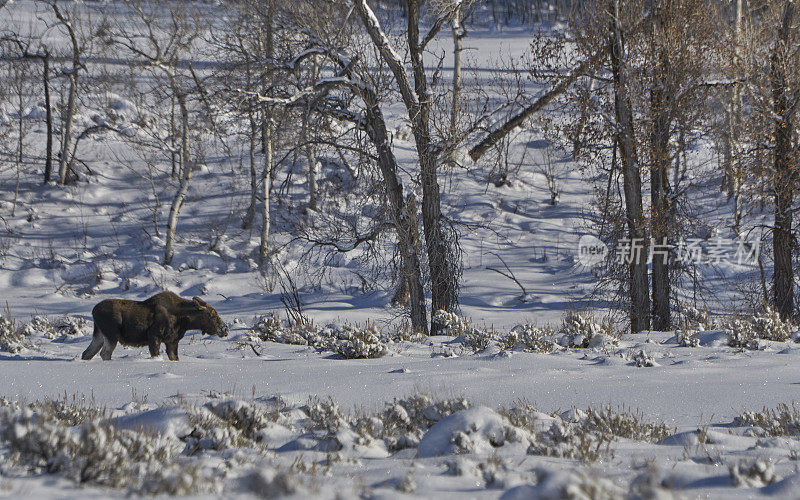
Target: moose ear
<point>199,301</point>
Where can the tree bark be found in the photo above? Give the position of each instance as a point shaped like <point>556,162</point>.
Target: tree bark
<point>266,185</point>
<point>63,160</point>
<point>403,213</point>
<point>444,285</point>
<point>267,146</point>
<point>660,109</point>
<point>250,214</point>
<point>458,34</point>
<point>183,189</point>
<point>48,109</point>
<point>632,181</point>
<point>310,151</point>
<point>515,121</point>
<point>785,171</point>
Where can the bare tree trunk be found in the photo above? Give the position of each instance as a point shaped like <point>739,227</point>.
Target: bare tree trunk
<point>249,216</point>
<point>731,161</point>
<point>735,126</point>
<point>48,109</point>
<point>174,163</point>
<point>659,176</point>
<point>458,34</point>
<point>63,161</point>
<point>20,132</point>
<point>310,151</point>
<point>632,181</point>
<point>441,255</point>
<point>515,121</point>
<point>785,172</point>
<point>267,146</point>
<point>183,189</point>
<point>266,184</point>
<point>404,214</point>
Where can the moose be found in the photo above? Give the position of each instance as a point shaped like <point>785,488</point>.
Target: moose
<point>164,317</point>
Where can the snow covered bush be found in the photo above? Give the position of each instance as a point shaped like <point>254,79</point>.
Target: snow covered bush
<point>243,416</point>
<point>100,454</point>
<point>325,415</point>
<point>351,342</point>
<point>270,483</point>
<point>64,325</point>
<point>741,335</point>
<point>770,326</point>
<point>472,339</point>
<point>354,342</point>
<point>66,412</point>
<point>527,338</point>
<point>405,421</point>
<point>474,430</point>
<point>688,338</point>
<point>586,485</point>
<point>70,325</point>
<point>451,323</point>
<point>476,340</point>
<point>623,423</point>
<point>570,440</point>
<point>692,318</point>
<point>269,328</point>
<point>642,359</point>
<point>752,474</point>
<point>579,329</point>
<point>582,435</point>
<point>767,326</point>
<point>12,338</point>
<point>40,325</point>
<point>781,421</point>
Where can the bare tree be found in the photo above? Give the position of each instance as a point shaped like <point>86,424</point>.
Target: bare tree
<point>442,257</point>
<point>784,57</point>
<point>631,173</point>
<point>161,50</point>
<point>67,21</point>
<point>30,47</point>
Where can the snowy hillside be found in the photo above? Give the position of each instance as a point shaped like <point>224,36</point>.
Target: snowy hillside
<point>535,389</point>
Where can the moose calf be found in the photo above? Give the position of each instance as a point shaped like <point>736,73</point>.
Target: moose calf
<point>164,317</point>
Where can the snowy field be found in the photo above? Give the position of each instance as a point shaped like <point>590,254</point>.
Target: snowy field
<point>555,409</point>
<point>293,420</point>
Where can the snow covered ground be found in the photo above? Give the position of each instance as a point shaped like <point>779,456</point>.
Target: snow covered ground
<point>328,426</point>
<point>241,416</point>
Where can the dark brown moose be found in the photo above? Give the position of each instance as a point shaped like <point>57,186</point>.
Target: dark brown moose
<point>164,317</point>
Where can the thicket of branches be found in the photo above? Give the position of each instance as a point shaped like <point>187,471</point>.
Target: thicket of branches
<point>315,90</point>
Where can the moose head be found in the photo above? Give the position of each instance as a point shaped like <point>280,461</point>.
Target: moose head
<point>208,320</point>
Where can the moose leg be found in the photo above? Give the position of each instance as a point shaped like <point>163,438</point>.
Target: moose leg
<point>94,347</point>
<point>155,346</point>
<point>160,329</point>
<point>108,347</point>
<point>172,351</point>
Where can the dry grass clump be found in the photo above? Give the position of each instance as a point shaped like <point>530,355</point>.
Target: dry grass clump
<point>349,341</point>
<point>12,337</point>
<point>752,474</point>
<point>586,435</point>
<point>38,440</point>
<point>781,421</point>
